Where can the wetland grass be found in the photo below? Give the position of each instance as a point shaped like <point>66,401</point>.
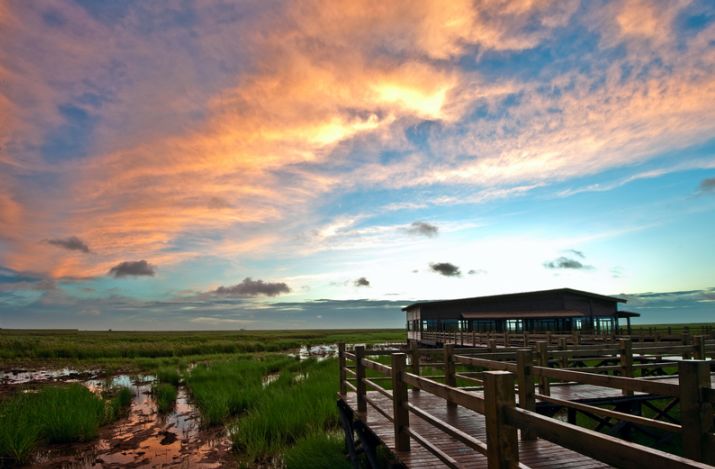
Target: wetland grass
<point>55,414</point>
<point>165,397</point>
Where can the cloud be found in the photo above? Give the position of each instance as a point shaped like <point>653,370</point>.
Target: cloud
<point>250,287</point>
<point>132,269</point>
<point>566,263</point>
<point>421,228</point>
<point>362,282</point>
<point>576,252</point>
<point>445,268</point>
<point>72,243</point>
<point>707,185</point>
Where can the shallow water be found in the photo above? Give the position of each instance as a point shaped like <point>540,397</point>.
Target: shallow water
<point>144,438</point>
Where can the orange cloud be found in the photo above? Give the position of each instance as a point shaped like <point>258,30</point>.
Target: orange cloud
<point>183,149</point>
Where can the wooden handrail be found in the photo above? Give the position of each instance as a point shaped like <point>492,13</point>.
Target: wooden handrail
<point>375,366</point>
<point>484,363</point>
<point>618,382</point>
<point>597,445</point>
<point>670,427</point>
<point>455,395</point>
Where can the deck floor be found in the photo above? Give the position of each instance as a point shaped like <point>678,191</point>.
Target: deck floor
<point>538,453</point>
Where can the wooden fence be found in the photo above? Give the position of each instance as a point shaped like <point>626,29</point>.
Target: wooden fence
<point>529,374</point>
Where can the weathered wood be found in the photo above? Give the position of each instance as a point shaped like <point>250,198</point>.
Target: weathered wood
<point>525,381</point>
<point>603,447</point>
<point>452,431</point>
<point>699,347</point>
<point>400,410</point>
<point>670,427</point>
<point>415,358</point>
<point>626,356</point>
<point>632,384</point>
<point>543,360</point>
<point>444,457</point>
<point>360,379</point>
<point>565,356</point>
<point>502,441</point>
<point>696,413</point>
<point>456,395</point>
<point>343,375</point>
<point>450,378</point>
<point>376,366</point>
<point>485,363</point>
<point>686,343</point>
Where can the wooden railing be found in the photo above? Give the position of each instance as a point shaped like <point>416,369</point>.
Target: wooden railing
<point>507,374</point>
<point>706,338</point>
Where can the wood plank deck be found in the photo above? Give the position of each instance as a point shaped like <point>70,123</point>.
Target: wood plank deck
<point>537,454</point>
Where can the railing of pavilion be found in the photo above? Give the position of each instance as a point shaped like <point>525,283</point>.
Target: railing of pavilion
<point>510,372</point>
<point>522,339</point>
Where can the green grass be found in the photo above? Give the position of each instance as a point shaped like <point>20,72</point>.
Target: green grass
<point>168,375</point>
<point>165,397</point>
<point>122,350</point>
<point>55,415</point>
<point>264,420</point>
<point>228,388</point>
<point>317,450</point>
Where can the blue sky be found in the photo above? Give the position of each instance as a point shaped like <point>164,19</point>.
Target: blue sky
<point>209,165</point>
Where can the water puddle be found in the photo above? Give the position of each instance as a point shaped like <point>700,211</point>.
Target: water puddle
<point>270,379</point>
<point>144,438</point>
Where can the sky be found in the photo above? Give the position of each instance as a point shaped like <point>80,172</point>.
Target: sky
<point>320,164</point>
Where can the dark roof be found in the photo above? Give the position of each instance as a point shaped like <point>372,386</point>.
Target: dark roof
<point>628,314</point>
<point>509,296</point>
<point>524,314</point>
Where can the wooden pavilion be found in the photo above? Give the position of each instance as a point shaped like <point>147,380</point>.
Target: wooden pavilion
<point>559,310</point>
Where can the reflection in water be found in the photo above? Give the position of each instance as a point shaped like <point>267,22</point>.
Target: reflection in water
<point>144,438</point>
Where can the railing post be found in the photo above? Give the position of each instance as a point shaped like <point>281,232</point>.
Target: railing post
<point>543,360</point>
<point>492,345</point>
<point>450,378</point>
<point>341,363</point>
<point>415,357</point>
<point>360,377</point>
<point>699,347</point>
<point>400,409</point>
<point>686,341</point>
<point>502,442</point>
<point>506,339</point>
<point>626,356</point>
<point>525,380</point>
<point>563,346</point>
<point>696,413</point>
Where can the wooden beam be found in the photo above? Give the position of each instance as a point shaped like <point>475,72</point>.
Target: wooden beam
<point>360,377</point>
<point>502,441</point>
<point>400,409</point>
<point>696,413</point>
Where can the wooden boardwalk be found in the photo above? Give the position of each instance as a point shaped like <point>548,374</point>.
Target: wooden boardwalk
<point>537,453</point>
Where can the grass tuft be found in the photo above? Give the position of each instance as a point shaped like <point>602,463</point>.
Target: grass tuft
<point>165,397</point>
<point>54,414</point>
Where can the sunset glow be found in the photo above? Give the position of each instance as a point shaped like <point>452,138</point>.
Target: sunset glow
<point>315,143</point>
